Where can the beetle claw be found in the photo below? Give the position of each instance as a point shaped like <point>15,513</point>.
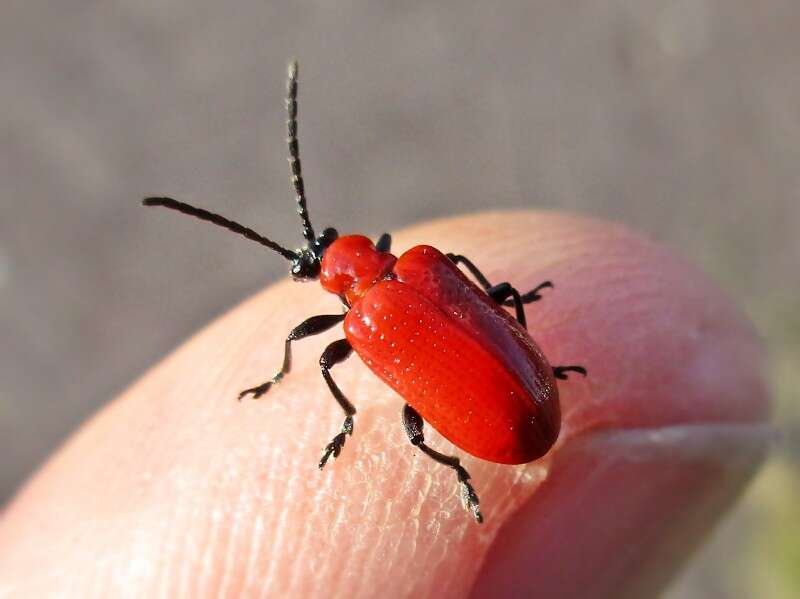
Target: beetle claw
<point>531,296</point>
<point>334,448</point>
<point>256,392</point>
<point>261,389</point>
<point>469,500</point>
<point>560,371</point>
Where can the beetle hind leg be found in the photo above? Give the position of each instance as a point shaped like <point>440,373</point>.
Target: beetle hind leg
<point>503,293</point>
<point>337,352</point>
<point>310,326</point>
<point>532,295</point>
<point>413,424</point>
<point>560,371</point>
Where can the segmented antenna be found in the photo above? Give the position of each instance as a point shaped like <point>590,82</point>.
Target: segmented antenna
<point>220,221</point>
<point>294,153</point>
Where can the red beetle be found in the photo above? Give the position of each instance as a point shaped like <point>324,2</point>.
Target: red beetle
<point>445,345</point>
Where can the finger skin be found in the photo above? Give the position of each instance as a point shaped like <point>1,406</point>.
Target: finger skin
<point>177,490</point>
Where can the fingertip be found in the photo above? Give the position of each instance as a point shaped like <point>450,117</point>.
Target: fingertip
<point>663,348</point>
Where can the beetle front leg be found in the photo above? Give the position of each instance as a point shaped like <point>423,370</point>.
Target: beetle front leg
<point>337,352</point>
<point>526,298</point>
<point>310,326</point>
<point>413,424</point>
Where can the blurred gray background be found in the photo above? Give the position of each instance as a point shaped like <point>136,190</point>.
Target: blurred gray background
<point>679,118</point>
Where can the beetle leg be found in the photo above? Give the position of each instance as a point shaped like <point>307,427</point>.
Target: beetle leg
<point>532,295</point>
<point>559,371</point>
<point>384,243</point>
<point>337,352</point>
<point>413,424</point>
<point>459,259</point>
<point>501,292</point>
<point>310,326</point>
<point>526,298</point>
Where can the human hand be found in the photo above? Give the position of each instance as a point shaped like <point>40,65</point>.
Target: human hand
<point>177,490</point>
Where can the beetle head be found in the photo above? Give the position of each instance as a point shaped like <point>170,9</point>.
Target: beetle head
<point>306,264</point>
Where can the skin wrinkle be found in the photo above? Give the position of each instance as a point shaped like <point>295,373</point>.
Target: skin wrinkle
<point>354,466</point>
<point>230,549</point>
<point>166,581</point>
<point>292,575</point>
<point>189,551</point>
<point>187,428</point>
<point>205,577</point>
<point>254,550</point>
<point>705,443</point>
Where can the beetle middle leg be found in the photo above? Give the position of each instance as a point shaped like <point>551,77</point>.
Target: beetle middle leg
<point>337,352</point>
<point>526,298</point>
<point>413,424</point>
<point>310,326</point>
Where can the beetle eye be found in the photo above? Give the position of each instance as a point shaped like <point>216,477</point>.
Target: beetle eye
<point>305,267</point>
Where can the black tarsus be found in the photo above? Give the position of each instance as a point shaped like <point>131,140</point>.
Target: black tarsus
<point>413,424</point>
<point>310,326</point>
<point>220,221</point>
<point>384,243</point>
<point>335,353</point>
<point>532,295</point>
<point>560,371</point>
<point>294,153</point>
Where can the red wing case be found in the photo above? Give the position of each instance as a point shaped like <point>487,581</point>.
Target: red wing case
<point>460,360</point>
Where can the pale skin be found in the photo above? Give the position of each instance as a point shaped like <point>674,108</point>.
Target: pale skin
<point>177,490</point>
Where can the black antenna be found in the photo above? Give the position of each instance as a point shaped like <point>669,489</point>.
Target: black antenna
<point>222,222</point>
<point>294,154</point>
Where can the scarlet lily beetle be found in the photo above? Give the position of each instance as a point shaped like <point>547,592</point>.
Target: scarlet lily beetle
<point>458,359</point>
